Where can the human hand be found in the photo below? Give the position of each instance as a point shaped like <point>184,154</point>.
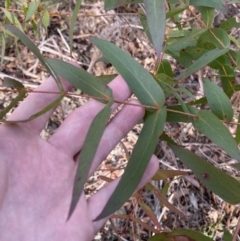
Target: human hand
<point>37,176</point>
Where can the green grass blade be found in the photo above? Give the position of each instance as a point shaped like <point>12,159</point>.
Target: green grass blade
<point>139,80</point>
<point>216,131</point>
<point>218,101</point>
<point>32,7</point>
<point>138,162</point>
<point>88,152</point>
<point>201,62</point>
<point>3,48</point>
<point>12,19</point>
<point>73,22</point>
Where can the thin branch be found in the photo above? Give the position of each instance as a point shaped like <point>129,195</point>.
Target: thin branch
<point>183,113</point>
<point>29,90</point>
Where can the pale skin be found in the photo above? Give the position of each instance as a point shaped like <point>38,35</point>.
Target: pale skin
<point>37,175</point>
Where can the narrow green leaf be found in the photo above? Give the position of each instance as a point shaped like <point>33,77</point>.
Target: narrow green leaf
<point>229,24</point>
<point>185,91</point>
<point>24,38</point>
<point>7,3</point>
<point>102,59</point>
<point>233,1</point>
<point>166,138</point>
<point>218,4</point>
<point>3,48</point>
<point>190,39</point>
<point>184,58</point>
<point>216,36</point>
<point>165,81</point>
<point>214,179</point>
<point>169,89</point>
<point>202,100</point>
<point>188,235</point>
<point>143,20</point>
<point>88,152</point>
<point>138,162</point>
<point>218,62</point>
<point>237,137</point>
<point>111,4</point>
<point>179,98</point>
<point>227,236</point>
<point>35,27</point>
<point>218,101</point>
<point>52,105</point>
<point>165,68</point>
<point>31,9</point>
<point>73,22</point>
<point>207,15</point>
<point>227,76</point>
<point>236,166</point>
<point>200,49</point>
<point>9,82</point>
<point>174,34</point>
<point>164,174</point>
<point>81,80</point>
<point>175,11</point>
<point>201,62</point>
<point>216,131</point>
<point>237,87</point>
<point>139,80</point>
<point>156,19</point>
<point>107,78</point>
<point>235,55</point>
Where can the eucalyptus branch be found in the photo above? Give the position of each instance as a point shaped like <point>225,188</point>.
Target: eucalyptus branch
<point>182,113</point>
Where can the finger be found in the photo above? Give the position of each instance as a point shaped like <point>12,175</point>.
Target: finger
<point>36,102</point>
<point>97,202</point>
<point>71,134</point>
<point>117,129</point>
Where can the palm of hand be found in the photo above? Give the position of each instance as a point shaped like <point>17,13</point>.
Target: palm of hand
<point>38,175</point>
